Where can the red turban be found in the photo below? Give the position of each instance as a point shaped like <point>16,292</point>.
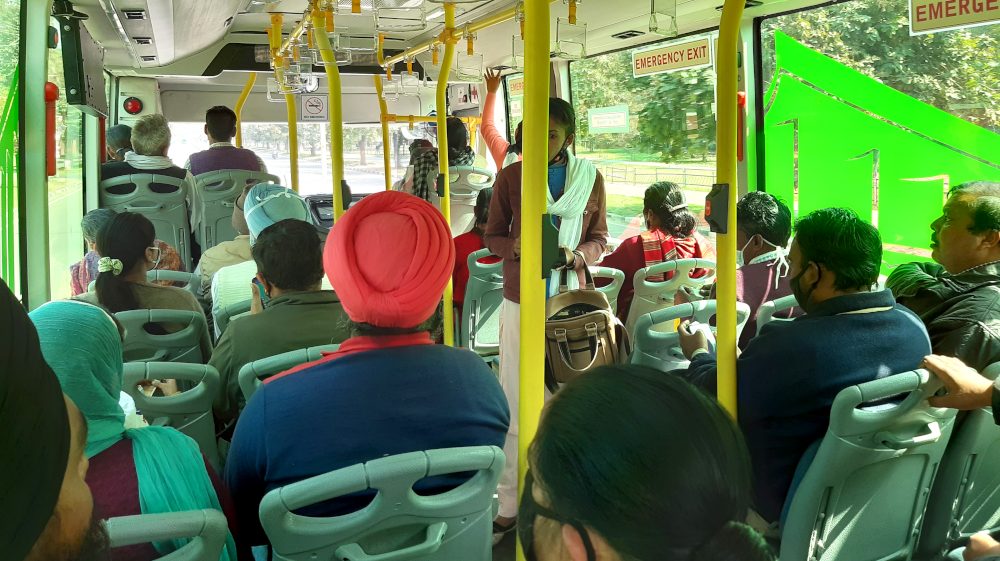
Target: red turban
<point>389,258</point>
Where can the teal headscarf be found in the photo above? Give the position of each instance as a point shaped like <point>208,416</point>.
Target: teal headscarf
<point>82,345</point>
<point>267,204</point>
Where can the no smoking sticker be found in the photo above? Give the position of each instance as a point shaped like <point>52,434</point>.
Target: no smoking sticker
<point>314,107</point>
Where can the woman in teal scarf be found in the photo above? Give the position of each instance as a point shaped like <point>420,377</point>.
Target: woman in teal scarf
<point>83,346</point>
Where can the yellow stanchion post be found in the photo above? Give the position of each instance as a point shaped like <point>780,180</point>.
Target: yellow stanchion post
<point>533,188</point>
<point>240,102</point>
<point>449,40</point>
<point>383,118</point>
<point>293,141</point>
<point>726,82</point>
<point>320,21</point>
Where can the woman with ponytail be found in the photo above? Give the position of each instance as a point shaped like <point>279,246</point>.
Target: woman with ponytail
<point>670,234</point>
<point>632,465</point>
<point>127,250</point>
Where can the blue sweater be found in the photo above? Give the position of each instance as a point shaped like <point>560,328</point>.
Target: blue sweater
<point>360,407</point>
<point>791,372</point>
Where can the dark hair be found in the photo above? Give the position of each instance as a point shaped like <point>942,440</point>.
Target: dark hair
<point>94,220</point>
<point>221,122</point>
<point>125,238</point>
<point>669,479</point>
<point>119,137</point>
<point>458,135</point>
<point>517,146</point>
<point>844,243</point>
<point>562,113</point>
<point>482,210</point>
<point>983,204</point>
<point>760,213</point>
<point>663,196</point>
<point>289,255</point>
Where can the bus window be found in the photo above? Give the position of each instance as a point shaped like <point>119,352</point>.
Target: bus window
<point>65,189</point>
<point>639,130</point>
<point>860,114</point>
<point>9,121</point>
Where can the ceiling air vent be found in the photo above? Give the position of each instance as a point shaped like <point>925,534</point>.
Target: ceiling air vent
<point>134,14</point>
<point>148,58</point>
<point>143,40</point>
<point>628,34</point>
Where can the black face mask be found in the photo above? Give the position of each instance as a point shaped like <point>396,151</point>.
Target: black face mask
<point>529,511</point>
<point>801,296</point>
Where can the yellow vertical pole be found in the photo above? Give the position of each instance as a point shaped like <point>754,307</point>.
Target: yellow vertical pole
<point>247,88</point>
<point>726,84</point>
<point>442,132</point>
<point>384,113</point>
<point>534,183</point>
<point>323,25</point>
<point>279,65</point>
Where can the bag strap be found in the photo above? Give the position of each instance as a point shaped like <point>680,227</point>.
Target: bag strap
<point>564,279</point>
<point>562,342</point>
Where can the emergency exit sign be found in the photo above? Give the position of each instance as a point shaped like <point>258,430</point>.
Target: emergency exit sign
<point>931,16</point>
<point>670,58</point>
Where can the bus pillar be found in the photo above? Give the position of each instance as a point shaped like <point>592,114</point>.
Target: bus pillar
<point>727,80</point>
<point>533,189</point>
<point>450,39</point>
<point>322,32</point>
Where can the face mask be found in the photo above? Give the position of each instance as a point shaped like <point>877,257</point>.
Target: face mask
<point>801,296</point>
<point>528,514</point>
<point>561,155</point>
<point>159,255</point>
<point>740,261</point>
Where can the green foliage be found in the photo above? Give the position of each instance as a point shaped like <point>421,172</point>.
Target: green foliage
<point>957,71</point>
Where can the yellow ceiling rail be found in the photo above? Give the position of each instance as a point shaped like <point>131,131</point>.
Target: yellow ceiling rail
<point>383,113</point>
<point>449,38</point>
<point>726,169</point>
<point>240,102</point>
<point>320,19</point>
<point>393,118</point>
<point>476,26</point>
<point>534,185</point>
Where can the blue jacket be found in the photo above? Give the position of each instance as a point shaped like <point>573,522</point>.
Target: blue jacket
<point>360,407</point>
<point>791,372</point>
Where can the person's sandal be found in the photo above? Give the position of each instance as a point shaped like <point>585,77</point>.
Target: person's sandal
<point>500,531</point>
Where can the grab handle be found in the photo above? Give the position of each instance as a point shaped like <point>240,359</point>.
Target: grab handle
<point>892,441</point>
<point>435,536</point>
<point>133,208</point>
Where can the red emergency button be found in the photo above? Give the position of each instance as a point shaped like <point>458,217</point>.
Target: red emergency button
<point>132,106</point>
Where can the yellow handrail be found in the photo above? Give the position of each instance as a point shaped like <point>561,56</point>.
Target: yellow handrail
<point>449,39</point>
<point>293,141</point>
<point>478,25</point>
<point>392,118</point>
<point>247,88</point>
<point>322,38</point>
<point>726,67</point>
<point>383,113</point>
<point>533,188</point>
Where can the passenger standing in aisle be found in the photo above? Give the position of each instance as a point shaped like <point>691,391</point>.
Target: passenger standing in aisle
<point>577,201</point>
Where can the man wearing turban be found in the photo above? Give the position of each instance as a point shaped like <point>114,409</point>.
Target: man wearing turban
<point>388,389</point>
<point>48,511</point>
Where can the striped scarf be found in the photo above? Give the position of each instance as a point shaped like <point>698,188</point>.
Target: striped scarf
<point>658,247</point>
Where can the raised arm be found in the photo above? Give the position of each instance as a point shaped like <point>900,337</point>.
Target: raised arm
<point>496,143</point>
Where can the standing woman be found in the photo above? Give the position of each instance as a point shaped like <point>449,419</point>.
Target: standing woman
<point>127,249</point>
<point>670,234</point>
<point>576,200</point>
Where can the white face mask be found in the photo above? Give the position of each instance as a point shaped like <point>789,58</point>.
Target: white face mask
<point>739,254</point>
<point>159,255</point>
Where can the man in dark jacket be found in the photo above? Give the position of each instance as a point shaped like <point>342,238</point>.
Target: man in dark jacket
<point>958,298</point>
<point>790,374</point>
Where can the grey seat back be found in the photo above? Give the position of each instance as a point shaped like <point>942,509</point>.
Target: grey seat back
<point>650,296</point>
<point>252,375</point>
<point>659,348</point>
<point>611,290</point>
<point>480,326</point>
<point>399,524</point>
<point>189,342</point>
<point>863,496</point>
<point>466,183</point>
<point>964,499</point>
<point>218,191</point>
<point>167,211</point>
<point>221,316</point>
<point>207,530</point>
<point>190,411</point>
<point>766,311</point>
